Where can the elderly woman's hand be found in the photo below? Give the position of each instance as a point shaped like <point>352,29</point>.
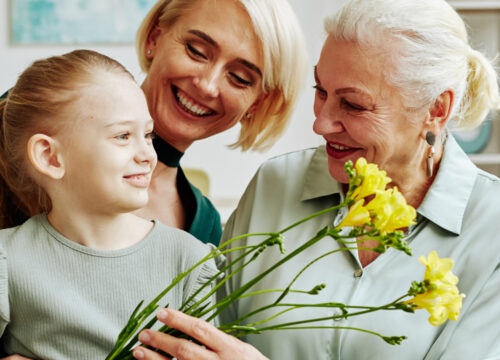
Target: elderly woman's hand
<point>15,357</point>
<point>219,345</point>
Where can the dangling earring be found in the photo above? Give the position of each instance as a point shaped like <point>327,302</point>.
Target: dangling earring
<point>431,140</point>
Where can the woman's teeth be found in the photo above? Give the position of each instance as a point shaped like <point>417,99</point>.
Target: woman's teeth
<point>339,147</point>
<point>195,109</point>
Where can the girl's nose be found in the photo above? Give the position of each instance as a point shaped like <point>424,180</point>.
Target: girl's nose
<point>146,153</point>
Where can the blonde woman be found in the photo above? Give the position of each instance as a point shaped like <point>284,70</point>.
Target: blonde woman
<point>210,65</point>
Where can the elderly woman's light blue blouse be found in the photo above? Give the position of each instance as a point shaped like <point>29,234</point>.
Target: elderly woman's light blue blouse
<point>459,218</point>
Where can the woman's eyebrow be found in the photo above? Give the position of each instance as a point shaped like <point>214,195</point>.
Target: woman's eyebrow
<point>204,36</point>
<point>208,39</point>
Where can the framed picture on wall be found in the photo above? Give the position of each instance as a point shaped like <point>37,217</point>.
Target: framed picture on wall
<point>75,21</point>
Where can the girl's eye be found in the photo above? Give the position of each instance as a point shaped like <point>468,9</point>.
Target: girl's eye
<point>352,106</point>
<point>124,136</point>
<point>322,94</point>
<point>239,80</point>
<point>195,52</point>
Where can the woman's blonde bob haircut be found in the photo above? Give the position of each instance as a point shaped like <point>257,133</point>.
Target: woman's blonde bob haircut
<point>430,53</point>
<point>284,55</point>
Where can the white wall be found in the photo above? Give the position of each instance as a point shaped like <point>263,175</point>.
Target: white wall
<point>229,170</point>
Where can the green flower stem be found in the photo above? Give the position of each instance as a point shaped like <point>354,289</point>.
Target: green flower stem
<point>319,213</point>
<point>293,306</point>
<point>236,294</point>
<point>221,305</point>
<point>214,277</point>
<point>219,284</point>
<point>366,310</point>
<point>271,291</point>
<point>333,327</point>
<point>287,289</point>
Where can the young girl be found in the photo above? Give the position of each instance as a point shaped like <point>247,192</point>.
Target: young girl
<point>76,153</point>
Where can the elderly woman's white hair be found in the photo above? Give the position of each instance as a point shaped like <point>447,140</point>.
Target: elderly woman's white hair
<point>284,54</point>
<point>431,53</point>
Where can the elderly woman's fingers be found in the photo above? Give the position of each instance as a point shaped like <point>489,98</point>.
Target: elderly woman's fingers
<point>181,349</point>
<point>146,354</point>
<point>198,329</point>
<point>219,345</point>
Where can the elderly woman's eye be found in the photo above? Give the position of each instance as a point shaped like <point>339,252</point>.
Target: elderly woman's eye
<point>352,106</point>
<point>194,51</point>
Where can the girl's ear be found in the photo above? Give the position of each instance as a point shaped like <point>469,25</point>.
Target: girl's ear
<point>44,155</point>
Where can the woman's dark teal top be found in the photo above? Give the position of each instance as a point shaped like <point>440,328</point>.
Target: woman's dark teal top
<point>205,223</point>
<point>205,219</point>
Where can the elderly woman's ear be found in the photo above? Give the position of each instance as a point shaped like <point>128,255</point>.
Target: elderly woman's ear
<point>439,112</point>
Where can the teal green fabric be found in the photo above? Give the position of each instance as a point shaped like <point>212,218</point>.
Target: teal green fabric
<point>206,223</point>
<point>458,218</point>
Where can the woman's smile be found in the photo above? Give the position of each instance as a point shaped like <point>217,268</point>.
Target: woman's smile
<point>339,151</point>
<point>190,105</point>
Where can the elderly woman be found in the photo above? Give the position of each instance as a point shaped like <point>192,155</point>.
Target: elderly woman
<point>392,74</point>
<point>211,65</point>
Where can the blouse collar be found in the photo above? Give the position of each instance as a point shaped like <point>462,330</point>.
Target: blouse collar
<point>445,201</point>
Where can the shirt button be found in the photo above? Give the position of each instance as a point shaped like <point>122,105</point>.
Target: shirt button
<point>358,273</point>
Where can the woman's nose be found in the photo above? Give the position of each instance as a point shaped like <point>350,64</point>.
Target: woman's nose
<point>208,82</point>
<point>326,123</point>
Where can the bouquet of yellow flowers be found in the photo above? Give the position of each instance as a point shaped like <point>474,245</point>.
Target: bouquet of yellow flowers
<point>375,212</point>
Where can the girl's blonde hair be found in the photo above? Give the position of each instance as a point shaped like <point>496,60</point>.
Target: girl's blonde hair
<point>284,54</point>
<point>431,53</point>
<point>34,105</point>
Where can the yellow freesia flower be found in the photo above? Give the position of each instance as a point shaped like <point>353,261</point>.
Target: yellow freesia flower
<point>373,180</point>
<point>358,215</point>
<point>390,211</point>
<point>438,269</point>
<point>443,300</point>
